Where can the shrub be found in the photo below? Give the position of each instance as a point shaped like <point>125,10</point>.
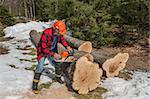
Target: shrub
<point>94,20</point>
<point>1,30</point>
<point>5,17</point>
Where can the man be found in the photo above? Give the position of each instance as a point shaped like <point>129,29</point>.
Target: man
<point>47,48</point>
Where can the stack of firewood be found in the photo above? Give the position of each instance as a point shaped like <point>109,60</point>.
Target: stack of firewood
<point>89,66</point>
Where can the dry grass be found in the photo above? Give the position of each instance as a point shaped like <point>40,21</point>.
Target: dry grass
<point>3,50</point>
<point>50,93</point>
<point>31,68</point>
<point>2,39</point>
<point>45,85</point>
<point>95,94</point>
<point>32,52</point>
<point>13,66</point>
<point>27,60</point>
<point>125,75</point>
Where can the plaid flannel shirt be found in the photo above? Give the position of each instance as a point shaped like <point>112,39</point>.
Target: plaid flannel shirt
<point>45,43</point>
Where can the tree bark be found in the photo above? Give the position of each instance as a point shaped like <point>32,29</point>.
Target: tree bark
<point>73,42</point>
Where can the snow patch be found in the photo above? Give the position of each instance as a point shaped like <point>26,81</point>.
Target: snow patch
<point>16,80</point>
<point>136,88</point>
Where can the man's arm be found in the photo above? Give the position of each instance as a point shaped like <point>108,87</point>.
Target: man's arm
<point>63,42</point>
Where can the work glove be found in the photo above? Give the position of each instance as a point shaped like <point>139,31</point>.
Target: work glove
<point>70,50</point>
<point>57,56</point>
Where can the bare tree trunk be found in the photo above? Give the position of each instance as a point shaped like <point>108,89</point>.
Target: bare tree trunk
<point>2,2</point>
<point>33,8</point>
<point>56,8</point>
<point>19,12</point>
<point>9,8</point>
<point>25,9</point>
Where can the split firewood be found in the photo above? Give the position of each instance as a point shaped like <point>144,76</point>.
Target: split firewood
<point>86,76</point>
<point>114,65</point>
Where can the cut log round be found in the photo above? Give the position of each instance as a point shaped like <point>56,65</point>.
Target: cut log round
<point>86,47</point>
<point>86,76</point>
<point>35,37</point>
<point>114,65</point>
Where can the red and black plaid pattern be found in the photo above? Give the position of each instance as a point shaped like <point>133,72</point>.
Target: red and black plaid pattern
<point>46,42</point>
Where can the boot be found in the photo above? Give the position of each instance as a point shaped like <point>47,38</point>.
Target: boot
<point>58,79</point>
<point>58,72</point>
<point>35,82</point>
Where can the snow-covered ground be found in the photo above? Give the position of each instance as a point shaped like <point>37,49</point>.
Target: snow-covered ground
<point>15,81</point>
<point>136,88</point>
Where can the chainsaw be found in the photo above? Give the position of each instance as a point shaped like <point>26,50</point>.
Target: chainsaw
<point>65,55</point>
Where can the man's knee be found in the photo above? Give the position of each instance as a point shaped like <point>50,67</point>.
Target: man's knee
<point>39,67</point>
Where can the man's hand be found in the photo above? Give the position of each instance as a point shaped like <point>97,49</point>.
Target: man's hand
<point>57,56</point>
<point>70,50</point>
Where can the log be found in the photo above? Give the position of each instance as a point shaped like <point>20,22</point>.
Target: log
<point>73,42</point>
<point>85,47</point>
<point>99,57</point>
